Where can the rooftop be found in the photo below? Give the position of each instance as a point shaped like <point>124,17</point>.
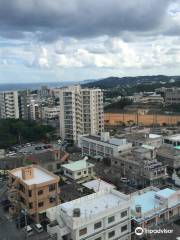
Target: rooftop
<point>40,175</point>
<point>95,203</point>
<point>78,165</point>
<point>167,192</point>
<point>98,185</point>
<point>174,137</point>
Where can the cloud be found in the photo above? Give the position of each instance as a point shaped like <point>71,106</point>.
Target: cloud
<point>48,20</point>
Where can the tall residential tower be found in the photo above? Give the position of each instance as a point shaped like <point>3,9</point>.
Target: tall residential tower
<point>81,112</point>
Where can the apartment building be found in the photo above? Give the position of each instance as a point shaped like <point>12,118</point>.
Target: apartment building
<point>33,189</point>
<point>9,107</point>
<point>81,112</point>
<point>173,140</point>
<point>34,112</point>
<point>140,166</point>
<point>79,170</point>
<point>102,146</point>
<point>152,206</point>
<point>172,96</point>
<point>23,101</point>
<point>99,216</point>
<point>50,112</point>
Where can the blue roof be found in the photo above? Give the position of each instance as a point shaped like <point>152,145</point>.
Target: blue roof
<point>166,192</point>
<point>145,200</point>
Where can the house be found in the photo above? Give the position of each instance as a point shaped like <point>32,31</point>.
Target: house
<point>98,216</point>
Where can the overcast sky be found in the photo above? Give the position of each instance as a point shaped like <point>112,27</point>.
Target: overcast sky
<point>57,40</point>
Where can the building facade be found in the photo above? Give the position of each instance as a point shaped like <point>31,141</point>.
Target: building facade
<point>9,107</point>
<point>103,146</point>
<point>33,189</point>
<point>99,216</point>
<point>172,96</point>
<point>81,112</point>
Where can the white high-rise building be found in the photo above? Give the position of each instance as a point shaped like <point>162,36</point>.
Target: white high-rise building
<point>104,215</point>
<point>9,107</point>
<point>81,112</point>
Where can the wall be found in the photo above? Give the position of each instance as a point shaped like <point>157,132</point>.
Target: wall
<point>116,118</point>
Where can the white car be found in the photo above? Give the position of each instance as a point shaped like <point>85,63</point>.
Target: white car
<point>38,227</point>
<point>124,180</point>
<point>28,230</point>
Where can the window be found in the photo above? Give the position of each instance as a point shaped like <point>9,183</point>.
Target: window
<point>79,173</point>
<point>30,205</point>
<point>40,204</point>
<point>97,225</point>
<point>124,214</point>
<point>111,219</point>
<point>83,231</point>
<point>123,228</point>
<point>30,193</point>
<point>40,192</point>
<point>58,165</point>
<point>99,238</point>
<point>52,187</point>
<point>84,172</point>
<point>111,234</point>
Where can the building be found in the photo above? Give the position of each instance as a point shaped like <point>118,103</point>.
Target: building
<point>50,112</point>
<point>172,96</point>
<point>173,140</point>
<point>98,216</point>
<point>23,101</point>
<point>9,107</point>
<point>81,112</point>
<point>79,170</point>
<point>140,166</point>
<point>34,110</point>
<point>138,139</point>
<point>152,206</point>
<point>103,146</point>
<point>170,156</point>
<point>33,189</point>
<point>98,185</point>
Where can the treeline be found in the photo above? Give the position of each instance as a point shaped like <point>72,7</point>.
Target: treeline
<point>15,131</point>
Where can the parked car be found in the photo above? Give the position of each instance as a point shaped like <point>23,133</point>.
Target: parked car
<point>28,230</point>
<point>38,227</point>
<point>124,180</point>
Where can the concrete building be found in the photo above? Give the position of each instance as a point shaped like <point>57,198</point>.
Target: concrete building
<point>50,112</point>
<point>23,101</point>
<point>173,140</point>
<point>34,110</point>
<point>170,156</point>
<point>138,139</point>
<point>81,112</point>
<point>79,170</point>
<point>140,166</point>
<point>98,216</point>
<point>152,206</point>
<point>172,96</point>
<point>103,146</point>
<point>98,185</point>
<point>9,107</point>
<point>33,189</point>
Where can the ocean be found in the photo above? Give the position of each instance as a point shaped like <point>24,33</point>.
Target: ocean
<point>33,86</point>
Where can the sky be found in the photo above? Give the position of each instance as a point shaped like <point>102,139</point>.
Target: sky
<point>67,40</point>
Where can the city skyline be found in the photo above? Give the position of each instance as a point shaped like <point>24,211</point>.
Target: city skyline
<point>60,41</point>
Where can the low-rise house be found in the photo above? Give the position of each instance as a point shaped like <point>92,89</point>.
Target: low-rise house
<point>80,171</point>
<point>33,189</point>
<point>140,166</point>
<point>104,145</point>
<point>98,216</point>
<point>170,156</point>
<point>152,206</point>
<point>98,185</point>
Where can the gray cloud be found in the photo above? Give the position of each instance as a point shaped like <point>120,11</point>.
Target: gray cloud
<point>49,20</point>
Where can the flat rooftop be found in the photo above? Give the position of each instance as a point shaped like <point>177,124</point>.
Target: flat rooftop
<point>174,137</point>
<point>113,141</point>
<point>147,200</point>
<point>95,203</point>
<point>78,165</point>
<point>98,185</point>
<point>39,176</point>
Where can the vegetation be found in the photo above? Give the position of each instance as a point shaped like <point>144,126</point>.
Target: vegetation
<point>14,131</point>
<point>119,105</point>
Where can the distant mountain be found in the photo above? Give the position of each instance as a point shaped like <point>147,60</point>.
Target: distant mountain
<point>112,82</point>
